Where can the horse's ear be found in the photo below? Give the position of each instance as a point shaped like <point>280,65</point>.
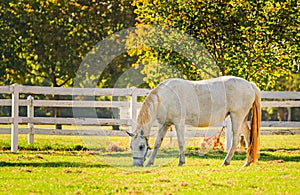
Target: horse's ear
<point>130,134</point>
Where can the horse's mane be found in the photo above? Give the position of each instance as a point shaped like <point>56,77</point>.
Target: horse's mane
<point>148,108</point>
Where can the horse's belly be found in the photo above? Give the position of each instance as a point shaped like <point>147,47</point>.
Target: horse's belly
<point>206,114</point>
<point>203,120</point>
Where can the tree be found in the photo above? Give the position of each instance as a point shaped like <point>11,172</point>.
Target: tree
<point>44,42</point>
<point>256,40</point>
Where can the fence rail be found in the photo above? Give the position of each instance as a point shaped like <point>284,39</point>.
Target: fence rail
<point>270,99</point>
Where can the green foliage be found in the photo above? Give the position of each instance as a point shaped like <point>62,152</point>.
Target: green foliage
<point>256,40</point>
<point>44,42</point>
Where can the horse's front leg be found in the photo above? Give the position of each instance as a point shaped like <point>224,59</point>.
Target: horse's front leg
<point>180,128</point>
<point>160,136</point>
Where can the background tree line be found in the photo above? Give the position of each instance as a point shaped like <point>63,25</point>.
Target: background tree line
<point>43,42</point>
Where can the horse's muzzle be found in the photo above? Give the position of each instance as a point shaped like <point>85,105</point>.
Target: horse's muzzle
<point>138,163</point>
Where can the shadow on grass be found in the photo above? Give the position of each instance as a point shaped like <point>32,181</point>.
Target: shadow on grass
<point>266,154</point>
<point>105,159</point>
<point>51,164</point>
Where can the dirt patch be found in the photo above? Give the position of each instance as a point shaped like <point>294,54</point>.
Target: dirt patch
<point>114,148</point>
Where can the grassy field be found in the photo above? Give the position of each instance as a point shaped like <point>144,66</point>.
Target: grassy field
<point>64,165</point>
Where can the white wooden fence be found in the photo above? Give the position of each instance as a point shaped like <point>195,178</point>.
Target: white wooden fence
<point>291,99</point>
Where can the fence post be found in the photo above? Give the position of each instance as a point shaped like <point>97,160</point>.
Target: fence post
<point>30,114</point>
<point>133,108</point>
<point>15,89</point>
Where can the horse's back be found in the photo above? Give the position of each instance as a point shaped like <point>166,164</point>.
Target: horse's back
<point>205,102</point>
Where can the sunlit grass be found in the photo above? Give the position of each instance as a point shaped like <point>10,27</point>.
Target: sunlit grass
<point>65,169</point>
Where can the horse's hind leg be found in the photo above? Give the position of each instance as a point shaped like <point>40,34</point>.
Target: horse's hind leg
<point>236,126</point>
<point>246,131</point>
<point>160,136</point>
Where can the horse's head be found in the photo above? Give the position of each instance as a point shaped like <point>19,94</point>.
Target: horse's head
<point>140,148</point>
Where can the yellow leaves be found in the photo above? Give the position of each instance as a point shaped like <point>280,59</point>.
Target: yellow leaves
<point>28,8</point>
<point>79,6</point>
<point>232,3</point>
<point>76,4</point>
<point>278,5</point>
<point>53,1</point>
<point>35,57</point>
<point>139,3</point>
<point>285,56</point>
<point>10,71</point>
<point>84,7</point>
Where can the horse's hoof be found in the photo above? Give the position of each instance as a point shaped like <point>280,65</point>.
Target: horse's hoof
<point>180,164</point>
<point>225,163</point>
<point>246,164</point>
<point>148,165</point>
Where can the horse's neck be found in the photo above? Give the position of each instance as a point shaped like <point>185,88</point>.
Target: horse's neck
<point>147,114</point>
<point>145,122</point>
<point>146,128</point>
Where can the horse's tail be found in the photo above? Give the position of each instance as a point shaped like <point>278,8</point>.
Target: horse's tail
<point>255,126</point>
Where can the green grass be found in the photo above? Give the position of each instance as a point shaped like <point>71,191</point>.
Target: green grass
<point>64,165</point>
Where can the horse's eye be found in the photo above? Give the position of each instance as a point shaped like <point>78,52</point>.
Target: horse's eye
<point>141,146</point>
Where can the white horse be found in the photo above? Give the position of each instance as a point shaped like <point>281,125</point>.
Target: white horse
<point>204,103</point>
